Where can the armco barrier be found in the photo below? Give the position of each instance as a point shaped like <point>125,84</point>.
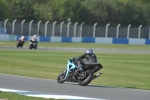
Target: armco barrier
<point>6,37</point>
<point>120,41</point>
<point>147,41</point>
<point>2,31</point>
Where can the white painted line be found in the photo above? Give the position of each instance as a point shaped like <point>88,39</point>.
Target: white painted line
<point>36,94</point>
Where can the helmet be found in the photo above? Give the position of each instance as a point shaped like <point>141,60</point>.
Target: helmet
<point>23,37</point>
<point>89,51</point>
<point>34,36</point>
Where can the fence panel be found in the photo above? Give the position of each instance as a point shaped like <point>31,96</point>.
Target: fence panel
<point>133,32</point>
<point>42,29</point>
<point>144,32</point>
<point>112,30</point>
<point>122,32</point>
<point>87,30</point>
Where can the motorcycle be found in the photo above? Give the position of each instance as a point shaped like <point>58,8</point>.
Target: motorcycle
<point>33,44</point>
<point>20,43</point>
<point>82,76</point>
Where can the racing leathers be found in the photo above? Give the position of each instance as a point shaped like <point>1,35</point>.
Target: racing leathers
<point>86,58</point>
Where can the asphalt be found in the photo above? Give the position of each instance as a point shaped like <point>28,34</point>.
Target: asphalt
<point>107,50</point>
<point>52,87</point>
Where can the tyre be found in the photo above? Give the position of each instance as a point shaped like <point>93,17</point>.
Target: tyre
<point>35,47</point>
<point>60,78</point>
<point>30,46</point>
<point>17,45</point>
<point>21,45</point>
<point>86,79</point>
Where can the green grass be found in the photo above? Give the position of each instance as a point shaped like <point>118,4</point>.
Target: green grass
<point>119,69</point>
<point>14,96</point>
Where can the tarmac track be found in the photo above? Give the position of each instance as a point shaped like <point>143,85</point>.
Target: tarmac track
<point>52,87</point>
<point>47,86</point>
<point>112,50</point>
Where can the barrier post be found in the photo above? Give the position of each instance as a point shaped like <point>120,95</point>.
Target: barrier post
<point>68,26</point>
<point>75,27</point>
<point>81,27</point>
<point>46,28</point>
<point>30,24</point>
<point>106,32</point>
<point>61,28</point>
<point>139,31</point>
<point>53,28</point>
<point>117,34</point>
<point>13,29</point>
<point>128,30</point>
<point>5,25</point>
<point>22,27</point>
<point>94,28</point>
<point>38,27</point>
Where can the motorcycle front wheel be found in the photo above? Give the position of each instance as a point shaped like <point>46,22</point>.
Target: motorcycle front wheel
<point>35,47</point>
<point>17,45</point>
<point>60,78</point>
<point>30,46</point>
<point>86,78</point>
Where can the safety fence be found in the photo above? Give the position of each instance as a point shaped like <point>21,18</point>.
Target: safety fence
<point>74,32</point>
<point>55,29</point>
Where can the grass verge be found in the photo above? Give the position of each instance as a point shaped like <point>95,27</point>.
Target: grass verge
<point>14,96</point>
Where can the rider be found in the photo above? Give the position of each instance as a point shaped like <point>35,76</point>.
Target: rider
<point>89,57</point>
<point>22,39</point>
<point>34,38</point>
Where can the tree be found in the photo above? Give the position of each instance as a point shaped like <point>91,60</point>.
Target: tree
<point>134,13</point>
<point>64,9</point>
<point>43,11</point>
<point>4,12</point>
<point>24,9</point>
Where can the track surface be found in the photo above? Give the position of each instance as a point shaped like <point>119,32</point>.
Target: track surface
<point>78,49</point>
<point>52,87</point>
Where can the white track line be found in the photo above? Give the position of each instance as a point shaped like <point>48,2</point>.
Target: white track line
<point>36,94</point>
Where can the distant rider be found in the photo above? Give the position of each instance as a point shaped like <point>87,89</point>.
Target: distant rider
<point>22,39</point>
<point>34,38</point>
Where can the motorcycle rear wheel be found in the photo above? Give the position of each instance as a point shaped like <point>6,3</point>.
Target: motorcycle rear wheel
<point>87,78</point>
<point>18,44</point>
<point>35,47</point>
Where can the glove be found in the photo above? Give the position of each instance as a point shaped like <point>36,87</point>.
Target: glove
<point>72,59</point>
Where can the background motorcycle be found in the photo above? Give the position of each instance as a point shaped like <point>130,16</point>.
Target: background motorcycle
<point>33,44</point>
<point>20,43</point>
<point>83,77</point>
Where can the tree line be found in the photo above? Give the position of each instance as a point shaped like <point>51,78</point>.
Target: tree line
<point>124,12</point>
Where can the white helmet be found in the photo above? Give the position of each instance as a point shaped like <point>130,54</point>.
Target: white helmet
<point>23,37</point>
<point>34,36</point>
<point>89,51</point>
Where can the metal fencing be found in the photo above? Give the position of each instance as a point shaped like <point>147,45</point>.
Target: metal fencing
<point>75,29</point>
